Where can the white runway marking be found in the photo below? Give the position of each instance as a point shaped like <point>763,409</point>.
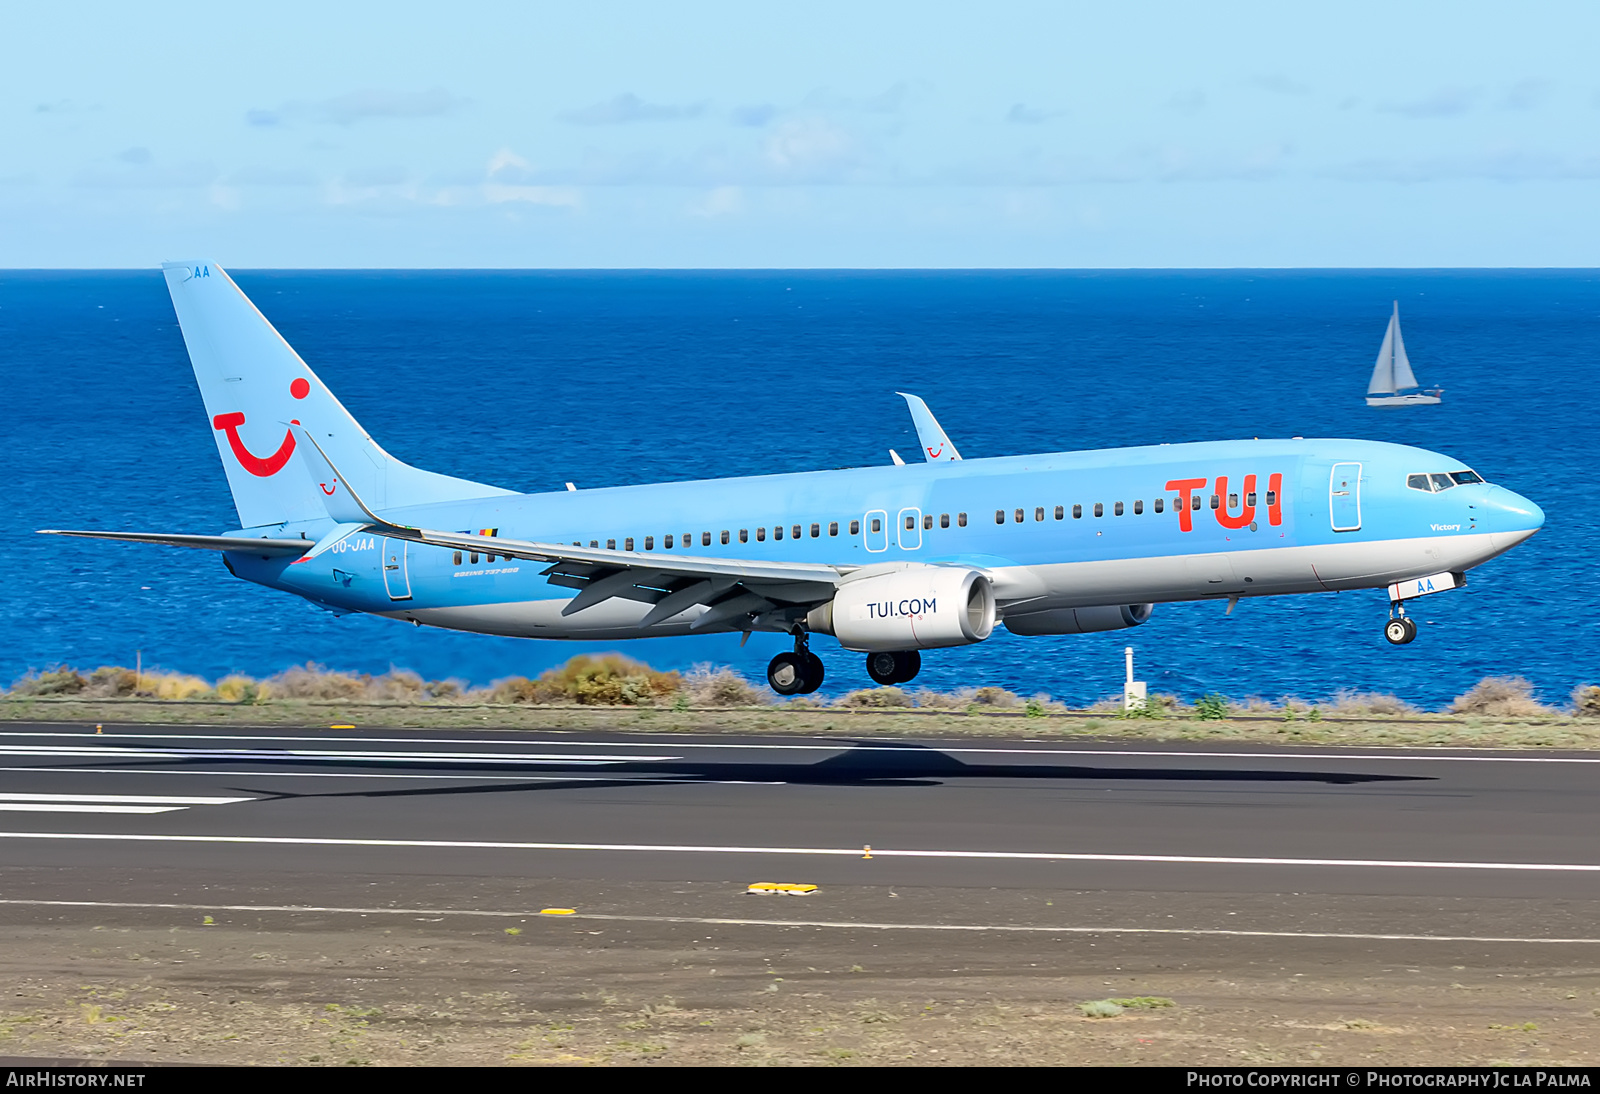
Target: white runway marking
<point>253,774</point>
<point>321,754</point>
<point>819,923</point>
<point>127,799</point>
<point>1418,755</point>
<point>838,852</point>
<point>69,807</point>
<point>105,803</point>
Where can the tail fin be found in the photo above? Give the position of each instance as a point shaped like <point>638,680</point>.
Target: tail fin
<point>254,384</point>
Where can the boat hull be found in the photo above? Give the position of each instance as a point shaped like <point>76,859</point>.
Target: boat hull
<point>1418,399</point>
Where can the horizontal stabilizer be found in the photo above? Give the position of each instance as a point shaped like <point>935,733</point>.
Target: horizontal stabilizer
<point>243,544</point>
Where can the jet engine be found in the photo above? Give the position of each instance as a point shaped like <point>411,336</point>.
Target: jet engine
<point>1101,617</point>
<point>922,608</point>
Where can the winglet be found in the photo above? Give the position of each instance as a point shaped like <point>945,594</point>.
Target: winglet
<point>936,446</point>
<point>343,504</point>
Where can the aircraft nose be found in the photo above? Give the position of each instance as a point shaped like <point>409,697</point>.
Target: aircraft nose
<point>1511,518</point>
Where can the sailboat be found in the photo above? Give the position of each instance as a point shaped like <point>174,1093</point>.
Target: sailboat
<point>1392,374</point>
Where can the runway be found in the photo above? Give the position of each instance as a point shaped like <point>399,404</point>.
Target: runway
<point>1297,842</point>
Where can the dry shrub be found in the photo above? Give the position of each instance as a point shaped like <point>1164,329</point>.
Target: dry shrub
<point>874,698</point>
<point>448,691</point>
<point>58,681</point>
<point>607,680</point>
<point>999,698</point>
<point>238,688</point>
<point>1369,702</point>
<point>313,681</point>
<point>513,689</point>
<point>1500,697</point>
<point>174,686</point>
<point>1586,701</point>
<point>397,686</point>
<point>928,699</point>
<point>111,682</point>
<point>721,687</point>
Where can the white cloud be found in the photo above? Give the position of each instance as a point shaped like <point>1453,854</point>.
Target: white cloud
<point>499,193</point>
<point>1446,102</point>
<point>810,146</point>
<point>1023,114</point>
<point>1188,102</point>
<point>271,176</point>
<point>721,202</point>
<point>1526,94</point>
<point>376,176</point>
<point>359,106</point>
<point>1280,84</point>
<point>505,158</point>
<point>628,107</point>
<point>757,115</point>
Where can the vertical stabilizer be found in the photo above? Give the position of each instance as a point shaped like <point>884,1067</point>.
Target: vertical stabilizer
<point>936,445</point>
<point>254,384</point>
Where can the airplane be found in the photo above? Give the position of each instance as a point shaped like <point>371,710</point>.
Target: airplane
<point>889,561</point>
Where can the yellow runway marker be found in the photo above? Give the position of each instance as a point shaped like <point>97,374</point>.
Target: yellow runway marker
<point>866,852</point>
<point>341,727</point>
<point>782,887</point>
<point>558,911</point>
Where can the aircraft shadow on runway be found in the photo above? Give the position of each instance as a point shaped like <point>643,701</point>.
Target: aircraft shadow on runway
<point>865,764</point>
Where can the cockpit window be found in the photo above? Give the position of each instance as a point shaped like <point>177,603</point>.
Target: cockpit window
<point>1438,481</point>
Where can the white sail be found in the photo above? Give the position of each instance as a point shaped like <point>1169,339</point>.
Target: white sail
<point>1403,376</point>
<point>1382,382</point>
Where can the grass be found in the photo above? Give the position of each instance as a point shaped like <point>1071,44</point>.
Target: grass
<point>613,692</point>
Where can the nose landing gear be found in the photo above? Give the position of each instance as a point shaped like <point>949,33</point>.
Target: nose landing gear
<point>898,667</point>
<point>797,673</point>
<point>1401,628</point>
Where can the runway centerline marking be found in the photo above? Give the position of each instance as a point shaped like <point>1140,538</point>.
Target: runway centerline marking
<point>300,909</point>
<point>847,746</point>
<point>849,852</point>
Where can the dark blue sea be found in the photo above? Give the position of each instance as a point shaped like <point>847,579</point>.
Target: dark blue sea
<point>530,379</point>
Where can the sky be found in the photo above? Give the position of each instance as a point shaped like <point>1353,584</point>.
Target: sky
<point>885,134</point>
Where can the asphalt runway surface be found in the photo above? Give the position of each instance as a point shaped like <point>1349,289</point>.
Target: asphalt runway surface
<point>1294,841</point>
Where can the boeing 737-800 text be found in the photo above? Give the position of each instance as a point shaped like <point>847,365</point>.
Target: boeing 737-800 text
<point>888,560</point>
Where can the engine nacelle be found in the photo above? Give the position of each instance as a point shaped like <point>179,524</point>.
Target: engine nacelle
<point>1101,617</point>
<point>922,608</point>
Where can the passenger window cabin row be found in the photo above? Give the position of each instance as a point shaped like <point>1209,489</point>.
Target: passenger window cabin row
<point>1159,505</point>
<point>799,531</point>
<point>778,532</point>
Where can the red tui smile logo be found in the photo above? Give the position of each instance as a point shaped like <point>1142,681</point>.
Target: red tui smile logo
<point>261,466</point>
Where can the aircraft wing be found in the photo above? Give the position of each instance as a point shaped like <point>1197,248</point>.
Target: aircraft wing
<point>242,544</point>
<point>728,588</point>
<point>935,442</point>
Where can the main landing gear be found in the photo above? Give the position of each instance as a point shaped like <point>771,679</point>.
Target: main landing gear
<point>1401,628</point>
<point>797,673</point>
<point>899,667</point>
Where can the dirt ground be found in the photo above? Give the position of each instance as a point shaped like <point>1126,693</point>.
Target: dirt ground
<point>1419,730</point>
<point>341,989</point>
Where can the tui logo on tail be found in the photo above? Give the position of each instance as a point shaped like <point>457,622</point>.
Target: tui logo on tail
<point>261,466</point>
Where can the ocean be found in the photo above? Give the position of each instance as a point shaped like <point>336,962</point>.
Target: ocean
<point>529,379</point>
